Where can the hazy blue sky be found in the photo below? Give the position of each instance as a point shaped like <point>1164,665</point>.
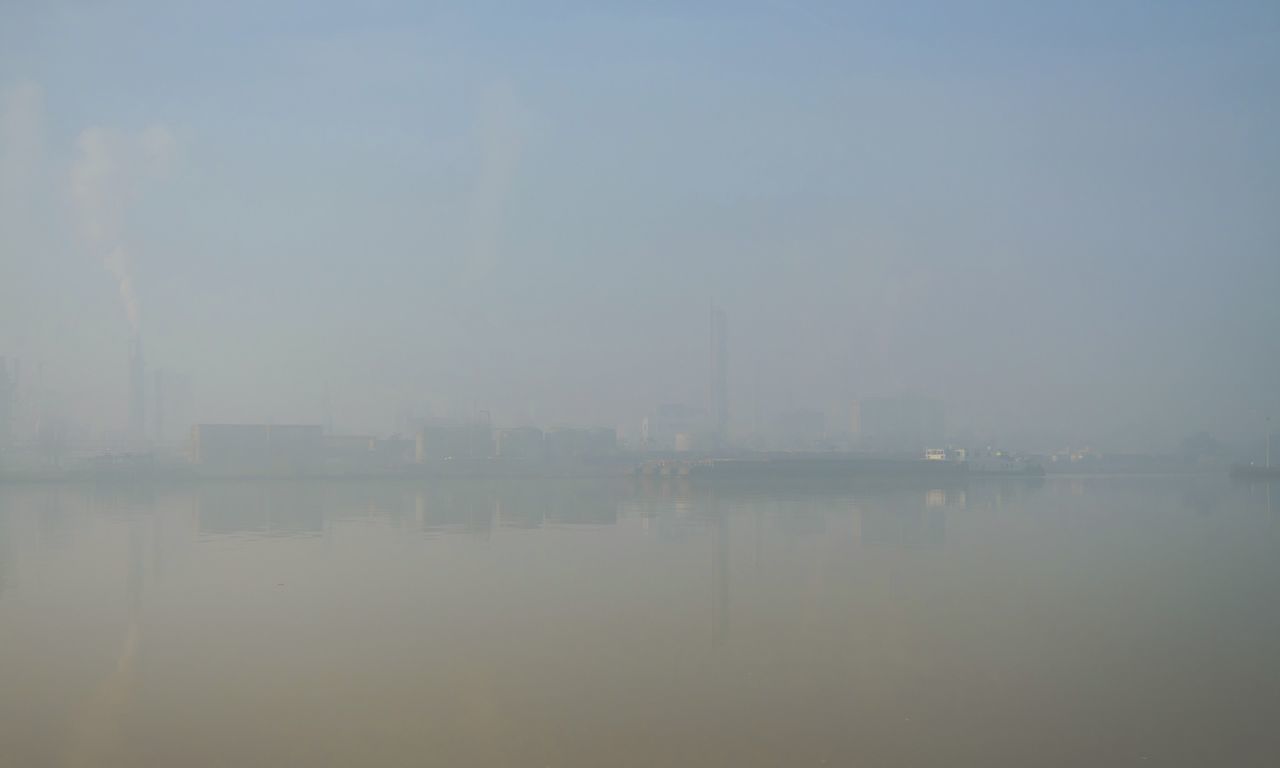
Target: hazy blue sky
<point>1060,218</point>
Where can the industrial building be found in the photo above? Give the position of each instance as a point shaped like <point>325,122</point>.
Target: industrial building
<point>566,444</point>
<point>257,449</point>
<point>520,444</point>
<point>660,428</point>
<point>904,423</point>
<point>452,440</point>
<point>366,453</point>
<point>800,429</point>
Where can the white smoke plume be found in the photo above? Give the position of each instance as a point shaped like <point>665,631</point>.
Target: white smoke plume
<point>109,172</point>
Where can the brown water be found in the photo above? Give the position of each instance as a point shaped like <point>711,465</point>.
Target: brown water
<point>1086,622</point>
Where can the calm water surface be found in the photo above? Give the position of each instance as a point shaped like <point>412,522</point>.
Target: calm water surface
<point>1089,621</point>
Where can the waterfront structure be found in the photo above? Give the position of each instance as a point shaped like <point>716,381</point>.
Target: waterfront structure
<point>799,429</point>
<point>901,424</point>
<point>575,444</point>
<point>443,440</point>
<point>257,449</point>
<point>660,428</point>
<point>355,453</point>
<point>520,443</point>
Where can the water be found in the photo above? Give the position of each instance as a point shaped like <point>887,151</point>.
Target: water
<point>1088,621</point>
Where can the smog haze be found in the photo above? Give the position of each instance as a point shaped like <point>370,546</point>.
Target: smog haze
<point>1058,220</point>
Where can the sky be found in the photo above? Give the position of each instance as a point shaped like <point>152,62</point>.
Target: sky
<point>1059,218</point>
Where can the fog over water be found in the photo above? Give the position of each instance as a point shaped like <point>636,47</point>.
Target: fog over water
<point>1059,220</point>
<point>639,384</point>
<point>1073,621</point>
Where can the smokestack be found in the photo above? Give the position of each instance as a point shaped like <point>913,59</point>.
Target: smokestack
<point>157,412</point>
<point>7,386</point>
<point>719,375</point>
<point>137,390</point>
<point>328,411</point>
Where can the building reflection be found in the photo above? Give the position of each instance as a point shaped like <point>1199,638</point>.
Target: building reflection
<point>720,635</point>
<point>803,516</point>
<point>8,558</point>
<point>996,494</point>
<point>362,500</point>
<point>1203,497</point>
<point>909,519</point>
<point>583,504</point>
<point>523,510</point>
<point>284,509</point>
<point>455,507</point>
<point>53,520</point>
<point>477,506</point>
<point>1266,494</point>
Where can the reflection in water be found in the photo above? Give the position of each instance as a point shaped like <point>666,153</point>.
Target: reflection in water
<point>524,510</point>
<point>8,565</point>
<point>54,521</point>
<point>475,507</point>
<point>261,508</point>
<point>456,507</point>
<point>722,576</point>
<point>1262,493</point>
<point>903,526</point>
<point>97,731</point>
<point>97,734</point>
<point>586,505</point>
<point>573,623</point>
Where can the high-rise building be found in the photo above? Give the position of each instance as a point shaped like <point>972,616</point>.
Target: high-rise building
<point>661,427</point>
<point>520,443</point>
<point>8,385</point>
<point>799,429</point>
<point>904,423</point>
<point>719,375</point>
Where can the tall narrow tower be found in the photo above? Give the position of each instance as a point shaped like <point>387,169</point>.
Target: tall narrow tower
<point>137,391</point>
<point>719,375</point>
<point>7,387</point>
<point>327,406</point>
<point>157,405</point>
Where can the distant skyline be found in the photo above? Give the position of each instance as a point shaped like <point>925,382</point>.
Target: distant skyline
<point>1060,219</point>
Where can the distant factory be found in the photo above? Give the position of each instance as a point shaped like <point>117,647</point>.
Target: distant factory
<point>442,445</point>
<point>448,440</point>
<point>905,423</point>
<point>681,428</point>
<point>253,449</point>
<point>675,427</point>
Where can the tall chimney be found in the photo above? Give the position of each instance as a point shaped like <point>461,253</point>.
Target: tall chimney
<point>137,391</point>
<point>7,386</point>
<point>157,410</point>
<point>719,375</point>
